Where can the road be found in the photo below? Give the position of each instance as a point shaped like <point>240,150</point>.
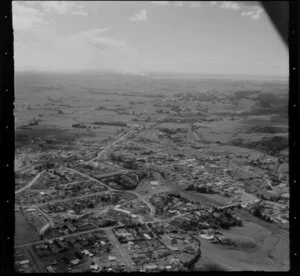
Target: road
<point>89,177</point>
<point>196,136</point>
<point>150,206</point>
<point>46,216</point>
<point>145,109</point>
<point>94,230</point>
<point>268,182</point>
<point>66,199</point>
<point>31,183</point>
<point>119,248</point>
<point>112,144</point>
<point>34,260</point>
<point>152,209</point>
<point>107,175</point>
<point>63,236</point>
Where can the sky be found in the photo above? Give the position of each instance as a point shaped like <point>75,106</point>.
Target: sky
<point>138,37</point>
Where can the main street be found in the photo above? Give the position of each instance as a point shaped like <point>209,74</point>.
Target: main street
<point>46,216</point>
<point>113,143</point>
<point>89,177</point>
<point>123,253</point>
<point>62,236</point>
<point>150,206</point>
<point>95,230</point>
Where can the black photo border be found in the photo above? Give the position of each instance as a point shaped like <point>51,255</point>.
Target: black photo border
<point>7,133</point>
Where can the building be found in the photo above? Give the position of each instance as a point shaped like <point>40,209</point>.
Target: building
<point>45,229</point>
<point>112,258</point>
<point>147,236</point>
<point>94,267</point>
<point>75,262</point>
<point>50,269</point>
<point>285,195</point>
<point>24,262</point>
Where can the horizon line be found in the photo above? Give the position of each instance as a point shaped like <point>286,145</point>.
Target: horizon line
<point>149,73</point>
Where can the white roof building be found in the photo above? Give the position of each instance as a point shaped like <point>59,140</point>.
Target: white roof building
<point>75,262</point>
<point>24,262</point>
<point>112,258</point>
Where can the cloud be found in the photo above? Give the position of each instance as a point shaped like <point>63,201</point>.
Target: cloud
<point>161,3</point>
<point>229,5</point>
<point>60,7</point>
<point>93,32</point>
<point>98,52</point>
<point>95,41</point>
<point>25,18</point>
<point>90,50</point>
<point>30,3</point>
<point>178,4</point>
<point>140,16</point>
<point>195,5</point>
<point>93,37</point>
<point>253,12</point>
<point>40,47</point>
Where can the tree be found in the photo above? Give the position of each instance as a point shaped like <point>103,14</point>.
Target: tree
<point>258,210</point>
<point>90,205</point>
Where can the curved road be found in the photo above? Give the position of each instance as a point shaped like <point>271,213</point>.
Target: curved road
<point>31,183</point>
<point>152,209</point>
<point>268,182</point>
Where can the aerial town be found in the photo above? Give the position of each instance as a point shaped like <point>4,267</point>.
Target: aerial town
<point>151,182</point>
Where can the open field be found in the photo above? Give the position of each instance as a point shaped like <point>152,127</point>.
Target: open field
<point>24,232</point>
<point>259,251</point>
